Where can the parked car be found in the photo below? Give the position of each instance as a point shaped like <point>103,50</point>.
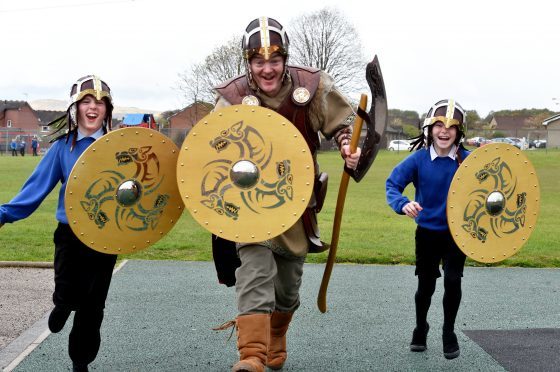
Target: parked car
<point>475,141</point>
<point>399,145</point>
<point>484,141</point>
<point>520,143</point>
<point>539,144</point>
<point>503,140</point>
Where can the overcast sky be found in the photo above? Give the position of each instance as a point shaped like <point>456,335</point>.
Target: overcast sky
<point>488,55</point>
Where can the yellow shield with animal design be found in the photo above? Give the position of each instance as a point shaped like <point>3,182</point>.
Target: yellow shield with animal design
<point>493,203</point>
<point>245,173</point>
<point>122,194</point>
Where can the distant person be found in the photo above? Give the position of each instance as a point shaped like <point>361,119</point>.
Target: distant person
<point>14,147</point>
<point>81,275</point>
<point>22,145</point>
<point>431,169</point>
<point>34,145</point>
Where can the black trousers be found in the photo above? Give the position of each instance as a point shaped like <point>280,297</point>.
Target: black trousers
<point>82,277</point>
<point>433,248</point>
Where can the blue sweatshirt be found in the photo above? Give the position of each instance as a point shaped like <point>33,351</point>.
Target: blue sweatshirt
<point>431,179</point>
<point>55,167</point>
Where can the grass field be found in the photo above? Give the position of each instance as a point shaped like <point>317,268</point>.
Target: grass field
<point>371,231</point>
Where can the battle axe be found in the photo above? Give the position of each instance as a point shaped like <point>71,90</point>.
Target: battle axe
<point>376,122</point>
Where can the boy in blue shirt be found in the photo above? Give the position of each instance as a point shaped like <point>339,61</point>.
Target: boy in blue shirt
<point>82,276</point>
<point>431,169</point>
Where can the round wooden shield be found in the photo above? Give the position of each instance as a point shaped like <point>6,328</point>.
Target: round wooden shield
<point>493,203</point>
<point>245,173</point>
<point>122,193</point>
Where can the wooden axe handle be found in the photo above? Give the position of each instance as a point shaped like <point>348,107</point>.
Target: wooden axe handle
<point>322,297</point>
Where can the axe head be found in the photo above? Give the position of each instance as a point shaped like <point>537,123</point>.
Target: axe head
<point>375,119</point>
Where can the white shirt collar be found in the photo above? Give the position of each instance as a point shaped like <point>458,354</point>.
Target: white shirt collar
<point>95,135</point>
<point>452,152</point>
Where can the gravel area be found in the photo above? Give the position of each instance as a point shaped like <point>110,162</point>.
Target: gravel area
<point>25,297</point>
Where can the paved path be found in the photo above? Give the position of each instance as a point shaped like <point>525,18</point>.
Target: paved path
<point>160,313</point>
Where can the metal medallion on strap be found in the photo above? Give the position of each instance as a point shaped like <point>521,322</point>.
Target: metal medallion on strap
<point>245,173</point>
<point>122,193</point>
<point>493,203</point>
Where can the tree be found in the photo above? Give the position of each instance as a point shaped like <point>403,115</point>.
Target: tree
<point>324,39</point>
<point>327,41</point>
<point>472,120</point>
<point>163,118</point>
<point>225,62</point>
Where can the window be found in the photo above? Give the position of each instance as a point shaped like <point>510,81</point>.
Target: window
<point>45,128</point>
<point>9,124</point>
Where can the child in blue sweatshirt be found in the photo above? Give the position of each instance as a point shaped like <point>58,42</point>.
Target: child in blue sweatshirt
<point>82,276</point>
<point>431,169</point>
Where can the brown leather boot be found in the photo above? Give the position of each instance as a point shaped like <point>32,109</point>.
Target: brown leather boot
<point>277,355</point>
<point>253,334</point>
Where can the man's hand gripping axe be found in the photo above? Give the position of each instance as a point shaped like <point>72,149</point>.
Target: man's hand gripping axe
<point>376,122</point>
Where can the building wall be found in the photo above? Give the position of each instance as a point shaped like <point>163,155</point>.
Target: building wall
<point>23,118</point>
<point>187,118</point>
<point>553,140</point>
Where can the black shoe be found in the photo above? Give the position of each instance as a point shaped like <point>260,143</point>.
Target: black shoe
<point>79,367</point>
<point>450,345</point>
<point>419,336</point>
<point>58,318</point>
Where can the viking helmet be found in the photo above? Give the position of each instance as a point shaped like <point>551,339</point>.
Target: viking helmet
<point>68,123</point>
<point>94,86</point>
<point>448,112</point>
<point>264,36</point>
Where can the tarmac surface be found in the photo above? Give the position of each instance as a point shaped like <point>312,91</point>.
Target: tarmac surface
<point>160,314</point>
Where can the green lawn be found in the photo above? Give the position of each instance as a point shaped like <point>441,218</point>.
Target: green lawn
<point>371,231</point>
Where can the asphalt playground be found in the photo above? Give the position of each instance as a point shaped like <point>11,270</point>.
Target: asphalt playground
<point>160,315</point>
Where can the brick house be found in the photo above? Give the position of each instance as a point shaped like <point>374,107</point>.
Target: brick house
<point>511,126</point>
<point>182,122</point>
<point>189,116</point>
<point>552,125</point>
<point>17,119</point>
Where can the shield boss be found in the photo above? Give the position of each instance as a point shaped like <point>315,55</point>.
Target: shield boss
<point>122,193</point>
<point>245,173</point>
<point>493,203</point>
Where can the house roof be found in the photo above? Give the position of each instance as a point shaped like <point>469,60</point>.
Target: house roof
<point>551,119</point>
<point>511,122</point>
<point>206,105</point>
<point>136,119</point>
<point>46,116</point>
<point>11,105</point>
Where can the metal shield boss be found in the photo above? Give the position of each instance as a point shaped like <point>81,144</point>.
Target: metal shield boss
<point>493,203</point>
<point>122,194</point>
<point>245,173</point>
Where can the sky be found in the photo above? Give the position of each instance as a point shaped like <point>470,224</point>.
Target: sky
<point>488,55</point>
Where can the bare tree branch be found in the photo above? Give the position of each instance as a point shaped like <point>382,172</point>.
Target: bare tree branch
<point>225,62</point>
<point>326,40</point>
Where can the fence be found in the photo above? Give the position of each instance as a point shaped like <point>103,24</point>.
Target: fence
<point>178,136</point>
<point>7,134</point>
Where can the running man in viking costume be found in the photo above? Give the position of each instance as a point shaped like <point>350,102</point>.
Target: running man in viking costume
<point>82,276</point>
<point>269,276</point>
<point>431,169</point>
